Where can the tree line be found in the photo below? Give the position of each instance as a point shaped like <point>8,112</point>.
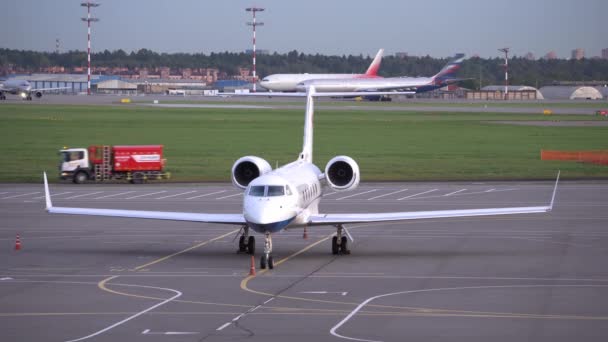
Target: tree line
<point>482,71</point>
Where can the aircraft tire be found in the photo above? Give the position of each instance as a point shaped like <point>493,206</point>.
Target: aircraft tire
<point>344,246</point>
<point>334,246</point>
<point>242,245</point>
<point>251,245</point>
<point>270,262</point>
<point>263,262</point>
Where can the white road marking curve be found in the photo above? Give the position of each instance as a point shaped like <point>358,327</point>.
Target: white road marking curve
<point>367,301</point>
<point>177,295</point>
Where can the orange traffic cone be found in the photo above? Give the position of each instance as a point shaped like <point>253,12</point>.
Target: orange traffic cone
<point>252,268</point>
<point>18,243</point>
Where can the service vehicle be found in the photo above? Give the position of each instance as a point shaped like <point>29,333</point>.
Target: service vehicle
<point>135,163</point>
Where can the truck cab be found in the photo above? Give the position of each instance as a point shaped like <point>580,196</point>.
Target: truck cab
<point>75,164</point>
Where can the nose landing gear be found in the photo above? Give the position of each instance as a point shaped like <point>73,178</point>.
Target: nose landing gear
<point>267,258</point>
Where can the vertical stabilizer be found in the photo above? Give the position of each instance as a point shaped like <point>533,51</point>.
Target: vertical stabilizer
<point>450,69</point>
<point>372,71</point>
<point>306,154</point>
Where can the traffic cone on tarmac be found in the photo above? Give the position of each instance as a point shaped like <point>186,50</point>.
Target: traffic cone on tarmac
<point>252,267</point>
<point>18,243</point>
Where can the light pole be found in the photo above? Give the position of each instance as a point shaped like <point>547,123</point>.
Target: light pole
<point>253,10</point>
<point>506,51</point>
<point>88,19</point>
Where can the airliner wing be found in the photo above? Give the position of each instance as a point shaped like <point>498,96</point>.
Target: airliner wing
<point>155,215</point>
<point>325,94</point>
<point>333,219</point>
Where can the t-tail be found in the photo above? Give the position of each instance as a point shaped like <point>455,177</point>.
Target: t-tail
<point>306,154</point>
<point>449,70</point>
<point>372,71</point>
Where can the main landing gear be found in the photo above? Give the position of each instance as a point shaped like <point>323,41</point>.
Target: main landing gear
<point>266,258</point>
<point>339,243</point>
<point>246,242</point>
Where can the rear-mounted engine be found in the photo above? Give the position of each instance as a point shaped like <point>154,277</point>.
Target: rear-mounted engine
<point>342,173</point>
<point>247,169</point>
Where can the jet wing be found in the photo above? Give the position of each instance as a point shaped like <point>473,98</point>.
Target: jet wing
<point>155,215</point>
<point>333,219</point>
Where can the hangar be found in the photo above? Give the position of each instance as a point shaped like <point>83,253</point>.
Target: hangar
<point>514,89</point>
<point>571,93</point>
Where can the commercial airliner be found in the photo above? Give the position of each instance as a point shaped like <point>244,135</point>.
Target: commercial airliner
<point>289,196</point>
<point>22,88</point>
<point>417,84</point>
<point>288,82</point>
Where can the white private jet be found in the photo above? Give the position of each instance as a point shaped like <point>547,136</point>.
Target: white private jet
<point>22,88</point>
<point>288,82</point>
<point>289,196</point>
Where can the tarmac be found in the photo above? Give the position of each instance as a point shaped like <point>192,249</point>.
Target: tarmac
<point>262,102</point>
<point>534,277</point>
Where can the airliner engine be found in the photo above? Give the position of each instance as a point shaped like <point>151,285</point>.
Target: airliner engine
<point>342,173</point>
<point>247,169</point>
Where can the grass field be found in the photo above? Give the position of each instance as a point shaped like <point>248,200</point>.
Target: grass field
<point>202,144</point>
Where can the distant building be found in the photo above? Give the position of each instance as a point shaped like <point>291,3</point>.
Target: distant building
<point>551,55</point>
<point>401,55</point>
<point>605,53</point>
<point>578,54</point>
<point>529,56</point>
<point>515,89</point>
<point>570,93</point>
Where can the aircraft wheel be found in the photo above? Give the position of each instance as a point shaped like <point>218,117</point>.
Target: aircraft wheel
<point>251,245</point>
<point>263,260</point>
<point>334,245</point>
<point>242,245</point>
<point>344,246</point>
<point>270,262</point>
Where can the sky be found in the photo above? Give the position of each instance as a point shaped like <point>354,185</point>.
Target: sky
<point>438,28</point>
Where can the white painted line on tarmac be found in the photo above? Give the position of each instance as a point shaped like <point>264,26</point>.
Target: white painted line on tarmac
<point>112,195</point>
<point>177,295</point>
<point>230,196</point>
<point>357,194</point>
<point>390,193</point>
<point>2,193</point>
<point>420,193</point>
<point>87,194</point>
<point>53,195</point>
<point>150,194</point>
<point>204,195</point>
<point>455,192</point>
<point>149,332</point>
<point>15,196</point>
<point>175,195</point>
<point>223,326</point>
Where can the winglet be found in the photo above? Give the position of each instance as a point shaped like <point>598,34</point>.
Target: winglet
<point>554,191</point>
<point>47,196</point>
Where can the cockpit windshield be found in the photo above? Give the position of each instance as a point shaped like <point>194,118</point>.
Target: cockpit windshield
<point>269,190</point>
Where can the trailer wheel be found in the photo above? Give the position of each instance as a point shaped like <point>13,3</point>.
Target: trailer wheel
<point>138,178</point>
<point>80,177</point>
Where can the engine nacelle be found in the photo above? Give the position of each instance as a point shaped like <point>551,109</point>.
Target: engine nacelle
<point>247,169</point>
<point>342,173</point>
<point>38,94</point>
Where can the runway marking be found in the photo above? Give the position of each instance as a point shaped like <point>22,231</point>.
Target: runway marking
<point>148,332</point>
<point>112,195</point>
<point>204,195</point>
<point>357,194</point>
<point>223,326</point>
<point>175,195</point>
<point>481,314</point>
<point>390,193</point>
<point>102,284</point>
<point>150,194</point>
<point>20,195</point>
<point>455,192</point>
<point>53,195</point>
<point>238,194</point>
<point>87,194</point>
<point>420,193</point>
<point>325,292</point>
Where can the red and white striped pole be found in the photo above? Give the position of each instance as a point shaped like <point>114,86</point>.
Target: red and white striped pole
<point>88,19</point>
<point>254,24</point>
